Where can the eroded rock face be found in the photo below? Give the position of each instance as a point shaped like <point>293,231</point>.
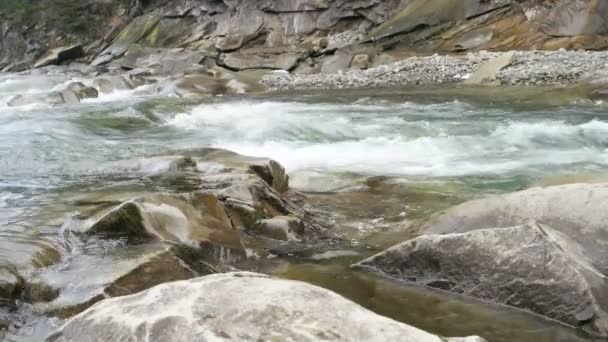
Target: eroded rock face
<point>531,267</point>
<point>578,17</point>
<point>233,28</point>
<point>236,306</point>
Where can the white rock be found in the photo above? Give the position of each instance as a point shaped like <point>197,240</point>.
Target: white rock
<point>236,307</point>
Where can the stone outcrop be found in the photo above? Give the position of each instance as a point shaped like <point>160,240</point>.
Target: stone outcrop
<point>237,306</point>
<point>542,249</point>
<point>241,207</point>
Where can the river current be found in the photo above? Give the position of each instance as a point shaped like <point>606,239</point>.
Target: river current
<point>377,160</point>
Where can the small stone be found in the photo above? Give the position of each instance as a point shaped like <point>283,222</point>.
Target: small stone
<point>360,62</point>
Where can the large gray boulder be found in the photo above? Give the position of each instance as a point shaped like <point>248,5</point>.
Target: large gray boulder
<point>236,307</point>
<point>542,249</point>
<point>575,210</point>
<point>531,267</point>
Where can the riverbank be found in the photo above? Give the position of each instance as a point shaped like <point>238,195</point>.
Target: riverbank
<point>576,75</point>
<point>523,68</point>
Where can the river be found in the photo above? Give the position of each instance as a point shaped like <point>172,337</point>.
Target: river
<point>377,160</point>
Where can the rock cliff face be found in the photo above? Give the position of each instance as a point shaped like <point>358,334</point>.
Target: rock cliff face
<point>299,35</point>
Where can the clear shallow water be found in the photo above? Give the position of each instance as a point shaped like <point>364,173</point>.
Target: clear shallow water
<point>378,162</point>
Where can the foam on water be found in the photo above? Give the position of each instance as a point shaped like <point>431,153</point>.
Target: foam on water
<point>446,139</point>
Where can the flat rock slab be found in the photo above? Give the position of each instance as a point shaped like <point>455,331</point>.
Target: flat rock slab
<point>247,61</point>
<point>237,307</point>
<point>488,71</point>
<point>135,31</point>
<point>531,267</point>
<point>84,279</point>
<point>60,54</point>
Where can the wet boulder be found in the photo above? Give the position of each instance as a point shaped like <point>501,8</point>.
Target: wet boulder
<point>531,267</point>
<point>542,249</point>
<point>189,219</point>
<point>81,91</point>
<point>116,271</point>
<point>11,284</point>
<point>575,210</point>
<point>111,83</point>
<point>216,82</point>
<point>235,195</point>
<point>50,99</point>
<point>236,306</point>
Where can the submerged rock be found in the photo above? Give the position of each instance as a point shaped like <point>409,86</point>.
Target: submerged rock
<point>84,279</point>
<point>555,266</point>
<point>50,99</point>
<point>236,306</point>
<point>11,284</point>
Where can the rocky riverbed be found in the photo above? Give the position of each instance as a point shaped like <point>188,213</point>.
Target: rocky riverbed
<point>523,68</point>
<point>229,170</point>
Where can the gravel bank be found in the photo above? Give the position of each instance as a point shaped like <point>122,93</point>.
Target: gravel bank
<point>528,68</point>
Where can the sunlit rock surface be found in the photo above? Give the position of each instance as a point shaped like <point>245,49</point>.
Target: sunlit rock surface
<point>237,306</point>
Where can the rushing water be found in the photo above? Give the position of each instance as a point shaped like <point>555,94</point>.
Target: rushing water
<point>378,160</point>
